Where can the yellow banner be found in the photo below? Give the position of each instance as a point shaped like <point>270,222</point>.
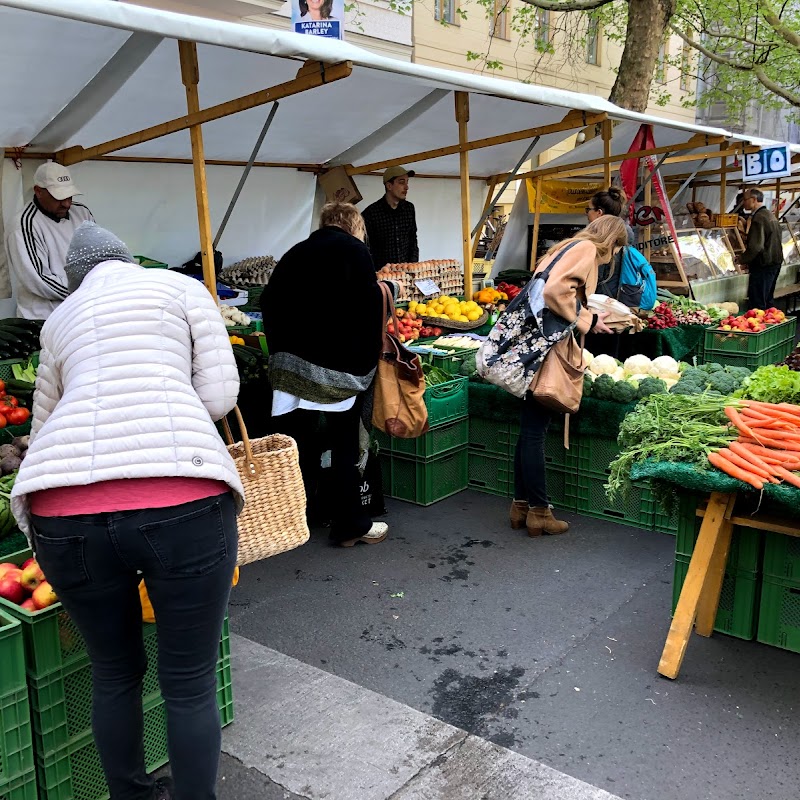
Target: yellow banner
<point>562,197</point>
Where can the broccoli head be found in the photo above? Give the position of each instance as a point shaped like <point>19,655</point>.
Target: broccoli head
<point>602,387</point>
<point>709,369</point>
<point>651,385</point>
<point>587,385</point>
<point>723,383</point>
<point>468,367</point>
<point>687,387</point>
<point>624,392</point>
<point>739,373</point>
<point>694,375</point>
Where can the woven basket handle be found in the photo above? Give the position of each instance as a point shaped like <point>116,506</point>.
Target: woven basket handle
<point>252,465</point>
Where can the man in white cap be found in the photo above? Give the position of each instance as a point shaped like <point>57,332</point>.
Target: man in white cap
<point>37,245</point>
<point>391,222</point>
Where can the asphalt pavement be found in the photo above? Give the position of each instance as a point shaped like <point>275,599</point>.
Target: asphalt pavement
<point>539,649</point>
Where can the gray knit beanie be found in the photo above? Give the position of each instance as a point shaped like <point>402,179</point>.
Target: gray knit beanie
<point>90,246</point>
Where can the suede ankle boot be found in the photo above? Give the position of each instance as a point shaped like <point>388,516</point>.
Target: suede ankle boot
<point>518,514</point>
<point>540,520</point>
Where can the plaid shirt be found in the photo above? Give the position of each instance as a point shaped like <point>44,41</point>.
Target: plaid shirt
<point>391,233</point>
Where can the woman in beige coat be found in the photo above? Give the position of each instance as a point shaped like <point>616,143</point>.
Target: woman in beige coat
<point>572,279</point>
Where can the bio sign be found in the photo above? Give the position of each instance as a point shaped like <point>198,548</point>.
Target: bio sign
<point>769,162</point>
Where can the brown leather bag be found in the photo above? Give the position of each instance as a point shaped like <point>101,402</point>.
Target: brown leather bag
<point>558,383</point>
<point>399,403</point>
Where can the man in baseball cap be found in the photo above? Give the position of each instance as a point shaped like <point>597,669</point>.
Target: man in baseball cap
<point>37,244</point>
<point>391,222</point>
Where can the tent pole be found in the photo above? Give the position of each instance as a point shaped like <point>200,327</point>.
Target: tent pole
<point>648,201</point>
<point>723,183</point>
<point>777,197</point>
<point>607,153</point>
<point>462,117</point>
<point>190,75</point>
<point>536,215</point>
<point>487,208</point>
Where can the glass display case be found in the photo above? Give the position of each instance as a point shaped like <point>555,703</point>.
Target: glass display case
<point>789,239</point>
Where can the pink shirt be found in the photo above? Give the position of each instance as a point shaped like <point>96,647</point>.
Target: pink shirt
<point>123,495</point>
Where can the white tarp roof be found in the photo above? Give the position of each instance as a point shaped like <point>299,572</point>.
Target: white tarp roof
<point>67,98</point>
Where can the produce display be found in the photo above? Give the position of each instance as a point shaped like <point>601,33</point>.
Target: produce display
<point>710,378</point>
<point>19,338</point>
<point>11,412</point>
<point>248,273</point>
<point>435,375</point>
<point>409,326</point>
<point>447,275</point>
<point>447,309</point>
<point>690,312</point>
<point>793,360</point>
<point>753,321</point>
<point>491,299</point>
<point>457,343</point>
<point>250,362</point>
<point>11,456</point>
<point>233,317</point>
<point>508,289</point>
<point>608,379</point>
<point>772,384</point>
<point>662,317</point>
<point>26,585</point>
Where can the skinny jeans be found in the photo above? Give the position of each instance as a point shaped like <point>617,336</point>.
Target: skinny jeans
<point>529,466</point>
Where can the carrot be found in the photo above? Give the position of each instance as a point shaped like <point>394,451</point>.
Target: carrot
<point>768,455</point>
<point>721,463</point>
<point>779,444</point>
<point>733,415</point>
<point>787,476</point>
<point>743,463</point>
<point>774,411</point>
<point>753,412</point>
<point>748,455</point>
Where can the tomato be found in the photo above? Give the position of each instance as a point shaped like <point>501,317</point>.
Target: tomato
<point>3,421</point>
<point>3,387</point>
<point>18,416</point>
<point>9,401</point>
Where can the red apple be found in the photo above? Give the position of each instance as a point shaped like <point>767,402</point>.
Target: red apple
<point>32,576</point>
<point>28,605</point>
<point>6,566</point>
<point>10,587</point>
<point>27,563</point>
<point>44,596</point>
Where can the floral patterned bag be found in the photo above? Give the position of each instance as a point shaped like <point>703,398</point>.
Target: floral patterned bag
<point>522,337</point>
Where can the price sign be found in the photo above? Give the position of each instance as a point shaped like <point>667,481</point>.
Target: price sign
<point>427,287</point>
<point>769,162</point>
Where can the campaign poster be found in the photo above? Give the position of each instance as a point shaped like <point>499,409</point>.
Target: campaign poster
<point>319,18</point>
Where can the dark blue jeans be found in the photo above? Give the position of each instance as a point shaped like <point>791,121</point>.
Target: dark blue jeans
<point>186,555</point>
<point>761,287</point>
<point>529,467</point>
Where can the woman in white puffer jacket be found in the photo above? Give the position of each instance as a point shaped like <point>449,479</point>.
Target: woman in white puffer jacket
<point>126,474</point>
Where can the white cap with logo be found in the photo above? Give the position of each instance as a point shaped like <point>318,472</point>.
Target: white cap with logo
<point>56,179</point>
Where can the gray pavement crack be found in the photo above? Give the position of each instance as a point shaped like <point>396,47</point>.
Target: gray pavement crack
<point>290,795</point>
<point>434,762</point>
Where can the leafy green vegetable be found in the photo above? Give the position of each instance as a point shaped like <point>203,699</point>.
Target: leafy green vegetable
<point>651,385</point>
<point>670,427</point>
<point>27,374</point>
<point>435,375</point>
<point>772,384</point>
<point>717,378</point>
<point>624,392</point>
<point>468,367</point>
<point>603,387</point>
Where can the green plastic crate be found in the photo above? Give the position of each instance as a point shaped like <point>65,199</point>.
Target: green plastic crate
<point>493,437</point>
<point>664,522</point>
<point>750,360</point>
<point>150,263</point>
<point>556,455</point>
<point>21,788</point>
<point>439,440</point>
<point>781,557</point>
<point>425,482</point>
<point>6,373</point>
<point>562,488</point>
<point>491,473</point>
<point>740,342</point>
<point>779,614</point>
<point>253,299</point>
<point>12,656</point>
<point>745,549</point>
<point>61,702</point>
<point>16,744</point>
<point>636,508</point>
<point>595,454</point>
<point>449,362</point>
<point>738,600</point>
<point>448,401</point>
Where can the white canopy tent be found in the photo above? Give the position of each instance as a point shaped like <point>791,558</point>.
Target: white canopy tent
<point>112,69</point>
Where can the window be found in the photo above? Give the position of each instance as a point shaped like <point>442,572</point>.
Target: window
<point>500,19</point>
<point>593,42</point>
<point>686,65</point>
<point>661,64</point>
<point>542,29</point>
<point>445,11</point>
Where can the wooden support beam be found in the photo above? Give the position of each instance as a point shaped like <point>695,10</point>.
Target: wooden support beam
<point>462,117</point>
<point>723,183</point>
<point>310,76</point>
<point>607,132</point>
<point>190,75</point>
<point>537,205</point>
<point>569,122</point>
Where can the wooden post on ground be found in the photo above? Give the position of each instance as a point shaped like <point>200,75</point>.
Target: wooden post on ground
<point>723,183</point>
<point>462,117</point>
<point>536,209</point>
<point>607,132</point>
<point>190,75</point>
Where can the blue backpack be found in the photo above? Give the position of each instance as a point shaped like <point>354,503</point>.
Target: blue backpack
<point>633,281</point>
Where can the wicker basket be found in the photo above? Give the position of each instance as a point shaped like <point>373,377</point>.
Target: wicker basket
<point>455,326</point>
<point>274,516</point>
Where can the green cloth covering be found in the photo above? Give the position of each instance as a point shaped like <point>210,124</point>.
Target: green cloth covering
<point>13,543</point>
<point>595,417</point>
<point>688,476</point>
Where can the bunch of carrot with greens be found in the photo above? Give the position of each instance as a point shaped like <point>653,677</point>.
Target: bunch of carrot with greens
<point>767,449</point>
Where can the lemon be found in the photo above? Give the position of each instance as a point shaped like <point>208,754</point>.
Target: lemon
<point>473,315</point>
<point>462,318</point>
<point>444,299</point>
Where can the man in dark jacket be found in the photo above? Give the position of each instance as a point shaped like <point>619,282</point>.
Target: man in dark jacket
<point>391,222</point>
<point>764,253</point>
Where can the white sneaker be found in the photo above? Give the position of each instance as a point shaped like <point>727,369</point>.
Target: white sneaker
<point>375,535</point>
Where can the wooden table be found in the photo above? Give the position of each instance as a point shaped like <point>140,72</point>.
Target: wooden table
<point>697,606</point>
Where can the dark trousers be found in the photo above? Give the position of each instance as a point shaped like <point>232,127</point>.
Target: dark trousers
<point>186,555</point>
<point>529,467</point>
<point>761,287</point>
<point>349,519</point>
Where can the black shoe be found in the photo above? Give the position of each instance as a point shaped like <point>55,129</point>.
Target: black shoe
<point>163,789</point>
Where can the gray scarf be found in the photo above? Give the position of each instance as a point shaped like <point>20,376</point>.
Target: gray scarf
<point>90,246</point>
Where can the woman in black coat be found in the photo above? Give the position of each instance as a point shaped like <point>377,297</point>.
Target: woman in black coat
<point>319,365</point>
